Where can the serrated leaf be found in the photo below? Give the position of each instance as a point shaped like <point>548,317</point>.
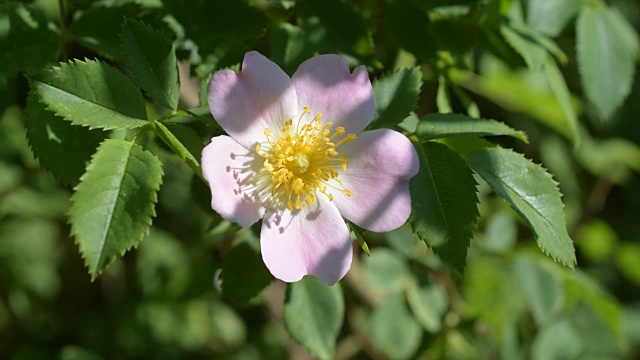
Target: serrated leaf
<point>313,313</point>
<point>152,60</point>
<point>91,94</point>
<point>532,46</point>
<point>189,152</point>
<point>396,97</point>
<point>606,62</point>
<point>244,274</point>
<point>436,126</point>
<point>532,193</point>
<point>550,16</point>
<point>393,330</point>
<point>444,202</point>
<point>112,207</point>
<point>61,148</point>
<point>27,41</point>
<point>98,28</point>
<point>560,89</point>
<point>343,23</point>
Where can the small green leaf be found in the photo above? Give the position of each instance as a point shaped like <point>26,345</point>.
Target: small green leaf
<point>244,274</point>
<point>532,193</point>
<point>343,23</point>
<point>112,207</point>
<point>313,313</point>
<point>550,16</point>
<point>429,304</point>
<point>435,126</point>
<point>91,94</point>
<point>533,47</point>
<point>558,341</point>
<point>384,270</point>
<point>190,156</point>
<point>559,88</point>
<point>606,62</point>
<point>61,148</point>
<point>444,203</point>
<point>152,60</point>
<point>542,288</point>
<point>98,28</point>
<point>27,40</point>
<point>396,97</point>
<point>393,330</point>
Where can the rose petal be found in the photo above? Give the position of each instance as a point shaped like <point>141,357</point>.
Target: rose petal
<point>326,86</point>
<point>229,168</point>
<point>261,96</point>
<point>311,241</point>
<point>380,164</point>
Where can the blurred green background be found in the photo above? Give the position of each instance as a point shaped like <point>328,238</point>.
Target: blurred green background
<point>164,300</point>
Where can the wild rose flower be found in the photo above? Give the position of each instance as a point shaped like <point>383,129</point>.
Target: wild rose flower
<point>296,156</point>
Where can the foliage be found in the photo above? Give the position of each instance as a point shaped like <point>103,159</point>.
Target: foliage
<point>522,115</point>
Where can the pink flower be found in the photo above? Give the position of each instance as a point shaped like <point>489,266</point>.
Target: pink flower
<point>297,157</point>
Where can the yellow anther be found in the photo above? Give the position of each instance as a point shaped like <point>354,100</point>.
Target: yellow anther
<point>267,132</point>
<point>318,117</point>
<point>348,192</point>
<point>307,110</point>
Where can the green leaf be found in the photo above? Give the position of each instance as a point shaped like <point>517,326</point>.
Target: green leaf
<point>287,44</point>
<point>112,207</point>
<point>551,16</point>
<point>410,26</point>
<point>606,62</point>
<point>152,60</point>
<point>559,88</point>
<point>435,126</point>
<point>190,156</point>
<point>384,270</point>
<point>558,341</point>
<point>444,199</point>
<point>61,148</point>
<point>542,288</point>
<point>532,193</point>
<point>533,47</point>
<point>396,96</point>
<point>27,40</point>
<point>429,304</point>
<point>98,28</point>
<point>313,313</point>
<point>91,94</point>
<point>393,330</point>
<point>244,274</point>
<point>343,23</point>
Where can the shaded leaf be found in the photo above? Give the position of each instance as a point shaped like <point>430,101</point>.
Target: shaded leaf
<point>396,97</point>
<point>393,330</point>
<point>313,313</point>
<point>61,148</point>
<point>551,16</point>
<point>543,288</point>
<point>558,341</point>
<point>606,62</point>
<point>27,41</point>
<point>410,26</point>
<point>429,304</point>
<point>244,274</point>
<point>152,60</point>
<point>444,203</point>
<point>384,270</point>
<point>98,28</point>
<point>436,126</point>
<point>92,94</point>
<point>532,193</point>
<point>112,207</point>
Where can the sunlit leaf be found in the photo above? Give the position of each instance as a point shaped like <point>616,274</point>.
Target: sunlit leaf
<point>313,313</point>
<point>396,96</point>
<point>435,126</point>
<point>91,94</point>
<point>551,16</point>
<point>152,60</point>
<point>532,193</point>
<point>112,207</point>
<point>444,203</point>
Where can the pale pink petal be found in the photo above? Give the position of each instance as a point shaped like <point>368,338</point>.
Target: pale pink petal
<point>311,241</point>
<point>326,86</point>
<point>230,170</point>
<point>380,164</point>
<point>261,96</point>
